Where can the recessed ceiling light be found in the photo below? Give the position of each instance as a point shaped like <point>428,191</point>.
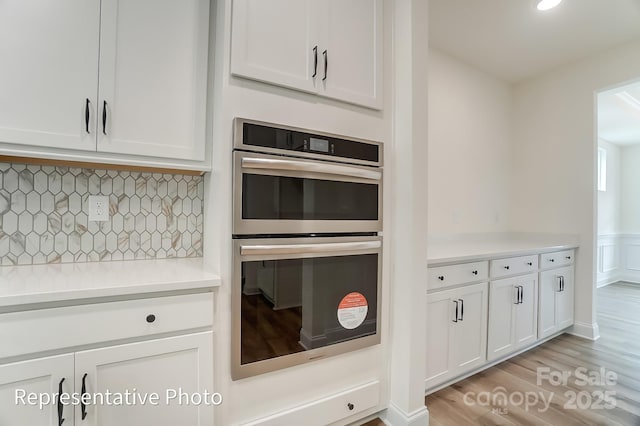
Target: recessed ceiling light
<point>547,4</point>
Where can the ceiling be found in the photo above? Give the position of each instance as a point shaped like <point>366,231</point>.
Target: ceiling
<point>619,115</point>
<point>513,41</point>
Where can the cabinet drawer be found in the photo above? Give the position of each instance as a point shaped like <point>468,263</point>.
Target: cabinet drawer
<point>327,410</point>
<point>447,276</point>
<point>514,266</point>
<point>557,259</point>
<point>57,328</point>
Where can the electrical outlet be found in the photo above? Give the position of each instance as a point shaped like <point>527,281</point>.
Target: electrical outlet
<point>98,208</point>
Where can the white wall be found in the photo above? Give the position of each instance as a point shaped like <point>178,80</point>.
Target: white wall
<point>630,207</point>
<point>255,397</point>
<point>553,181</point>
<point>609,201</point>
<point>469,148</point>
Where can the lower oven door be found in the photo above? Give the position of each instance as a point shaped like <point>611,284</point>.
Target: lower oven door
<point>300,299</point>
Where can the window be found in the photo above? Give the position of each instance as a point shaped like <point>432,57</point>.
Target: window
<point>602,169</point>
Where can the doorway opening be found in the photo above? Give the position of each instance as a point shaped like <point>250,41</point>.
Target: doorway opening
<point>618,197</point>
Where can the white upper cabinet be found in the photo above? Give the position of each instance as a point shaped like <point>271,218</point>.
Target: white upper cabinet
<point>273,41</point>
<point>106,76</point>
<point>353,43</point>
<point>48,72</point>
<point>153,62</point>
<point>330,48</point>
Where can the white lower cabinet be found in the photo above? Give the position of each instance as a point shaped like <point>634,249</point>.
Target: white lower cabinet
<point>457,332</point>
<point>473,324</point>
<point>41,376</point>
<point>513,314</point>
<point>178,370</point>
<point>556,300</point>
<point>157,380</point>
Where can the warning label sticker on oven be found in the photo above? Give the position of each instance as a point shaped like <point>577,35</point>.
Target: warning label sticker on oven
<point>352,310</point>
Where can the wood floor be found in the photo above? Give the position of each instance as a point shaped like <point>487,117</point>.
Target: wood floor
<point>571,403</point>
<point>268,333</point>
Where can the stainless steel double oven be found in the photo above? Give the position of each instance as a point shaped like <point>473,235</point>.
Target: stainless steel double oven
<point>307,255</point>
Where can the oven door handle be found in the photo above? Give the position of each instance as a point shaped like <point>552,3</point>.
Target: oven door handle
<point>275,249</point>
<point>307,166</point>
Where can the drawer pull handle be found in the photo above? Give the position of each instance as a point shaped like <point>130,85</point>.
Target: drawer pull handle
<point>151,318</point>
<point>104,118</point>
<point>552,260</point>
<point>441,278</point>
<point>530,263</point>
<point>507,267</point>
<point>59,403</point>
<point>326,64</point>
<point>315,62</point>
<point>83,407</point>
<point>86,115</point>
<point>350,406</point>
<point>474,272</point>
<point>568,257</point>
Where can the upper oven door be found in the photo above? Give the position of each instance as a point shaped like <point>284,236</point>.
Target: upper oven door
<point>284,195</point>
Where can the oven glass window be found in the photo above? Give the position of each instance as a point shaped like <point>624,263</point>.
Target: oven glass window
<point>293,305</point>
<point>270,197</point>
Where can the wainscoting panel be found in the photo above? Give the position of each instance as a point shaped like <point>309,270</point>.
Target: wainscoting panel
<point>618,258</point>
<point>632,256</point>
<point>608,259</point>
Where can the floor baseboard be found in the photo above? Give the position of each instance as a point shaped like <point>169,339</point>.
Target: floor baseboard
<point>394,416</point>
<point>585,330</point>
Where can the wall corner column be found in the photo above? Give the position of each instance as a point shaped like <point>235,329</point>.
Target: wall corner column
<point>408,196</point>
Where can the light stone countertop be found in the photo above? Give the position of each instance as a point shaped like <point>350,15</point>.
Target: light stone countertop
<point>62,283</point>
<point>463,248</point>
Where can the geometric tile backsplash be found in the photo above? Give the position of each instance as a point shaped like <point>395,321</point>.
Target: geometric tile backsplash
<point>44,215</point>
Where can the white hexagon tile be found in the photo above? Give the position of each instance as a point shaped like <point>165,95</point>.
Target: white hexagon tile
<point>44,219</point>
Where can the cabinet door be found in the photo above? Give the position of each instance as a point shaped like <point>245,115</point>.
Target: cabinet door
<point>49,70</point>
<point>503,297</point>
<point>456,332</point>
<point>549,286</point>
<point>564,299</point>
<point>526,312</point>
<point>470,332</point>
<point>181,364</point>
<point>274,41</point>
<point>353,41</point>
<point>38,376</point>
<point>440,317</point>
<point>153,78</point>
